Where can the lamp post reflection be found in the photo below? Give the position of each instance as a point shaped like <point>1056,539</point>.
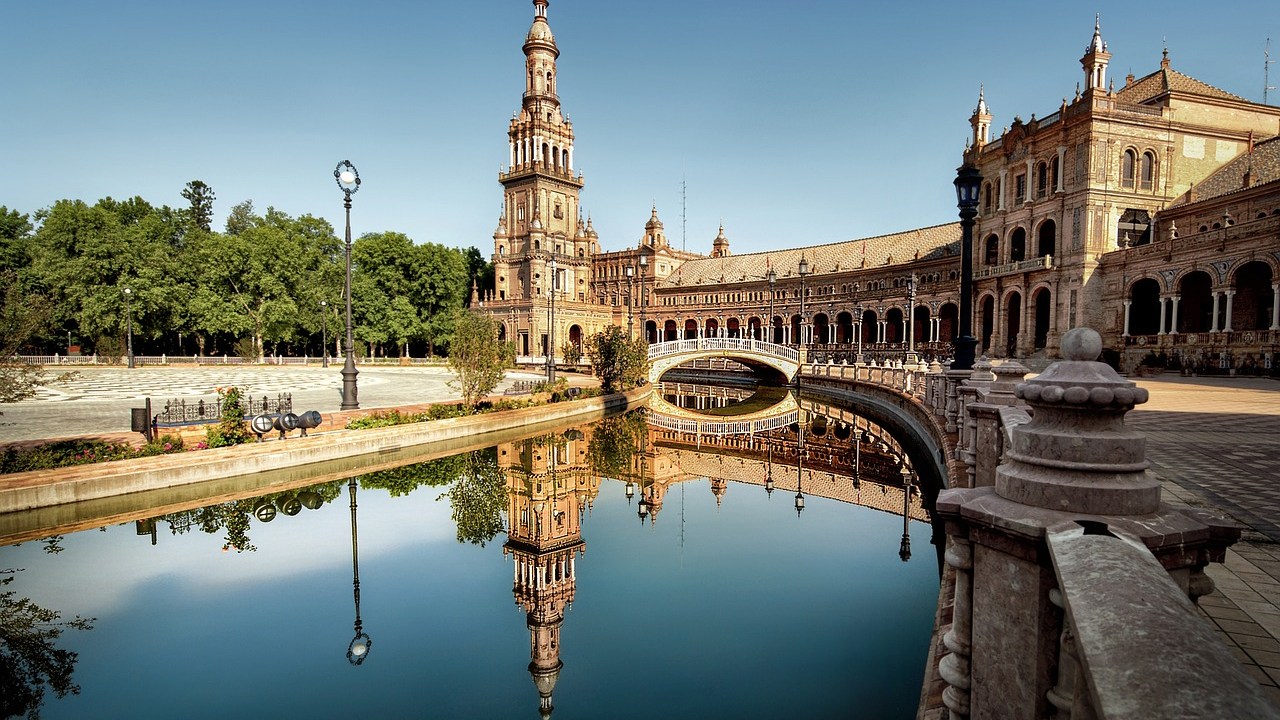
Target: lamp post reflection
<point>358,650</point>
<point>904,548</point>
<point>768,474</point>
<point>800,466</point>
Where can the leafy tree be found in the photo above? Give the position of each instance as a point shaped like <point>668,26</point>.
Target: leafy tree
<point>476,357</point>
<point>22,314</point>
<point>614,443</point>
<point>619,362</point>
<point>30,660</point>
<point>15,238</point>
<point>201,198</point>
<point>241,218</point>
<point>572,352</point>
<point>479,271</point>
<point>407,478</point>
<point>478,497</point>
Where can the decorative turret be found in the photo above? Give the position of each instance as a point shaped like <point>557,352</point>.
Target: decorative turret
<point>653,233</point>
<point>720,246</point>
<point>1095,59</point>
<point>980,120</point>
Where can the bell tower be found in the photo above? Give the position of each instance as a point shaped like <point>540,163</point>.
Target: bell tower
<point>1095,60</point>
<point>540,208</point>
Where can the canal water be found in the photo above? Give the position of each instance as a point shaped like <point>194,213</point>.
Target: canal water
<point>614,570</point>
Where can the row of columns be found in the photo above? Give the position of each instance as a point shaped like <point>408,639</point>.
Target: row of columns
<point>1000,323</point>
<point>548,571</point>
<point>934,331</point>
<point>530,150</point>
<point>1002,183</point>
<point>1169,311</point>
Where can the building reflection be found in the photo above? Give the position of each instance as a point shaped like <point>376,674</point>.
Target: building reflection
<point>550,488</point>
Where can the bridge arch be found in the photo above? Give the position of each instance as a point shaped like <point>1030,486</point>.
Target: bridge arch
<point>766,359</point>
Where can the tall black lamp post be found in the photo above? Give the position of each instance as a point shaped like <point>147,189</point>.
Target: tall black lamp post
<point>348,180</point>
<point>324,334</point>
<point>358,650</point>
<point>968,182</point>
<point>772,277</point>
<point>631,294</point>
<point>128,323</point>
<point>904,547</point>
<point>551,325</point>
<point>644,322</point>
<point>804,271</point>
<point>911,358</point>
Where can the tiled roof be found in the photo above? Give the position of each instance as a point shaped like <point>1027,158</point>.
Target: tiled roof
<point>1263,165</point>
<point>1166,80</point>
<point>922,243</point>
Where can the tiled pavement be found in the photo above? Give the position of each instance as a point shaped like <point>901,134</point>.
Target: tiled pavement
<point>1215,443</point>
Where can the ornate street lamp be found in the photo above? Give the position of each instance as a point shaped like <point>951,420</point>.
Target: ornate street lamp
<point>861,314</point>
<point>911,359</point>
<point>800,468</point>
<point>904,548</point>
<point>804,271</point>
<point>348,180</point>
<point>772,277</point>
<point>644,322</point>
<point>631,290</point>
<point>551,326</point>
<point>324,334</point>
<point>358,650</point>
<point>768,475</point>
<point>128,323</point>
<point>968,182</point>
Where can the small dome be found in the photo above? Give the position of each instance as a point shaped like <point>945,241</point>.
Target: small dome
<point>540,32</point>
<point>654,223</point>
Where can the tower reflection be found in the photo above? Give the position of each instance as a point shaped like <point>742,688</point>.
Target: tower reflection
<point>550,488</point>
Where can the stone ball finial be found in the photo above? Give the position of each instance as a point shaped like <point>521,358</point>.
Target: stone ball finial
<point>1081,344</point>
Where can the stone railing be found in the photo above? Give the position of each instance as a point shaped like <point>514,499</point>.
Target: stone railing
<point>908,380</point>
<point>1044,262</point>
<point>760,347</point>
<point>1073,583</point>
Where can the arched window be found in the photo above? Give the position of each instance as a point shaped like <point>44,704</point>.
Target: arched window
<point>992,247</point>
<point>1127,164</point>
<point>987,193</point>
<point>1042,180</point>
<point>1053,174</point>
<point>1148,170</point>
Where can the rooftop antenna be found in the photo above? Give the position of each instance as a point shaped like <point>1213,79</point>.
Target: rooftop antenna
<point>684,209</point>
<point>1266,71</point>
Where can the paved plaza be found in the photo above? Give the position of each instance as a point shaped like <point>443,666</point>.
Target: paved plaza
<point>98,399</point>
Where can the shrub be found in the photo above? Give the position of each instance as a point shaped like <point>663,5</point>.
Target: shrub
<point>232,430</point>
<point>67,453</point>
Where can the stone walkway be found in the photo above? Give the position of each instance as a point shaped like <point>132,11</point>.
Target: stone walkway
<point>97,401</point>
<point>1213,443</point>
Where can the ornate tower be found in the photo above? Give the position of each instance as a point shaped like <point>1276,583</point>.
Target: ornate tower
<point>980,120</point>
<point>541,217</point>
<point>1095,60</point>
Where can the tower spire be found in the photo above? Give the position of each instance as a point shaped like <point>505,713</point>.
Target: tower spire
<point>1095,59</point>
<point>981,121</point>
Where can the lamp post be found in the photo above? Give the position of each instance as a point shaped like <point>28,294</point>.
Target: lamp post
<point>551,325</point>
<point>911,359</point>
<point>631,289</point>
<point>358,650</point>
<point>904,547</point>
<point>803,270</point>
<point>768,475</point>
<point>348,180</point>
<point>800,467</point>
<point>861,313</point>
<point>772,277</point>
<point>128,323</point>
<point>968,182</point>
<point>324,334</point>
<point>644,322</point>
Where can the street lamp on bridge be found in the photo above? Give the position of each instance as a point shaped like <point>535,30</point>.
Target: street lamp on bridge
<point>968,182</point>
<point>644,322</point>
<point>772,277</point>
<point>348,179</point>
<point>631,298</point>
<point>804,271</point>
<point>911,359</point>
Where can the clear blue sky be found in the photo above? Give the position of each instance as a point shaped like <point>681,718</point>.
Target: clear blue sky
<point>796,123</point>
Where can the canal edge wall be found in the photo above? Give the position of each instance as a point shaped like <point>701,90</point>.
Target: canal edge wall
<point>46,488</point>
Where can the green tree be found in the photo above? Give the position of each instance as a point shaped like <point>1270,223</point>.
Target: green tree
<point>476,357</point>
<point>478,497</point>
<point>479,271</point>
<point>22,315</point>
<point>614,443</point>
<point>405,479</point>
<point>572,352</point>
<point>201,198</point>
<point>30,660</point>
<point>619,362</point>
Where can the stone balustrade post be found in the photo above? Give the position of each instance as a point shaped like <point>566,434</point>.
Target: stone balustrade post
<point>986,438</point>
<point>1074,463</point>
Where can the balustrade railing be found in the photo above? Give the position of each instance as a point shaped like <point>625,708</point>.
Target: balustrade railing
<point>1044,262</point>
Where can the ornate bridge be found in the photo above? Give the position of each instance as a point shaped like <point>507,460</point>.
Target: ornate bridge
<point>665,415</point>
<point>755,354</point>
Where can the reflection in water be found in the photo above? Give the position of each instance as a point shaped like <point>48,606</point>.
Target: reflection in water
<point>358,650</point>
<point>30,660</point>
<point>540,491</point>
<point>550,486</point>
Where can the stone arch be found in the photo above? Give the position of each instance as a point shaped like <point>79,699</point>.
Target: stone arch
<point>987,304</point>
<point>895,326</point>
<point>991,250</point>
<point>1251,307</point>
<point>1047,238</point>
<point>1195,302</point>
<point>1042,317</point>
<point>844,327</point>
<point>1018,244</point>
<point>733,328</point>
<point>670,331</point>
<point>948,322</point>
<point>1144,307</point>
<point>711,327</point>
<point>1013,322</point>
<point>821,328</point>
<point>690,329</point>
